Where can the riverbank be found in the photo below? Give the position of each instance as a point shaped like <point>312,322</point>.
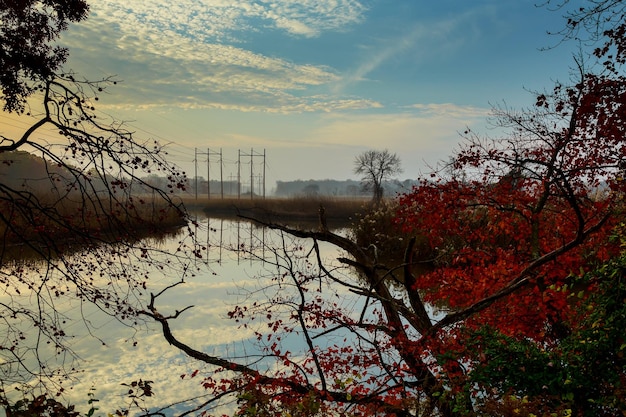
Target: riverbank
<point>50,227</point>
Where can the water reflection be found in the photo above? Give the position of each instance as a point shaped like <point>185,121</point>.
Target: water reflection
<point>228,273</point>
<point>240,238</point>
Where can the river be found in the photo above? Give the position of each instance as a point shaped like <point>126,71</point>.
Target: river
<point>226,275</point>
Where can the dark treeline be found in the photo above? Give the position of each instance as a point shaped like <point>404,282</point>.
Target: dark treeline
<point>340,188</point>
<point>22,170</point>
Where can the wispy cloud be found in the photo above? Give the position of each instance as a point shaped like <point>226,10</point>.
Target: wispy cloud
<point>192,53</point>
<point>422,41</point>
<point>432,127</point>
<point>380,56</point>
<point>286,104</point>
<point>198,48</point>
<point>451,110</point>
<point>312,17</point>
<point>226,20</point>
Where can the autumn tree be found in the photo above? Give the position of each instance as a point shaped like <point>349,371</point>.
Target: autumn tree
<point>375,167</point>
<point>506,249</point>
<point>503,254</point>
<point>519,308</point>
<point>583,375</point>
<point>71,231</point>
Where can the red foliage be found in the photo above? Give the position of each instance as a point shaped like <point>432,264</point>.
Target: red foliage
<point>532,209</point>
<point>507,228</point>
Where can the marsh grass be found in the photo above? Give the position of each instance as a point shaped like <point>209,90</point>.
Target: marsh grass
<point>41,222</point>
<point>295,211</point>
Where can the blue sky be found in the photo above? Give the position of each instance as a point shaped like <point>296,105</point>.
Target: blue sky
<point>315,82</point>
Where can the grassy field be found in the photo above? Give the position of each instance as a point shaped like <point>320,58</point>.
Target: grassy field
<point>301,211</point>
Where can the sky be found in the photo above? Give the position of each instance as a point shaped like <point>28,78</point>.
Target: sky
<point>313,83</point>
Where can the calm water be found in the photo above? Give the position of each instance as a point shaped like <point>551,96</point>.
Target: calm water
<point>226,277</point>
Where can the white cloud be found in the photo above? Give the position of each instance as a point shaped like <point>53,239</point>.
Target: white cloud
<point>311,17</point>
<point>381,56</point>
<point>185,54</point>
<point>281,104</point>
<point>205,328</point>
<point>219,19</point>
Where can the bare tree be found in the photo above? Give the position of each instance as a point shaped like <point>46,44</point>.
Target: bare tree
<point>75,230</point>
<point>375,167</point>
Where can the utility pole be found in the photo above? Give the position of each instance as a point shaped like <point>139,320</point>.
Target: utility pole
<point>195,160</point>
<point>208,171</point>
<point>221,175</point>
<point>261,176</point>
<point>251,155</point>
<point>208,159</point>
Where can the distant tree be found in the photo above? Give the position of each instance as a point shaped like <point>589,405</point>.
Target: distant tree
<point>311,190</point>
<point>352,190</point>
<point>375,167</point>
<point>28,30</point>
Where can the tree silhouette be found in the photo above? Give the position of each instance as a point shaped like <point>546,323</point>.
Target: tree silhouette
<point>28,30</point>
<point>375,167</point>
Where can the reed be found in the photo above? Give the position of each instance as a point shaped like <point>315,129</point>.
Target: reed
<point>300,211</point>
<point>84,218</point>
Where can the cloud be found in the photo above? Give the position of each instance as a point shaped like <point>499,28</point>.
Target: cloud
<point>153,359</point>
<point>312,17</point>
<point>192,54</point>
<point>451,110</point>
<point>433,126</point>
<point>281,103</point>
<point>202,20</point>
<point>423,41</point>
<point>381,56</point>
<point>204,327</point>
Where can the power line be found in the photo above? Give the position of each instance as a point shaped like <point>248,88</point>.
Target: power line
<point>252,155</point>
